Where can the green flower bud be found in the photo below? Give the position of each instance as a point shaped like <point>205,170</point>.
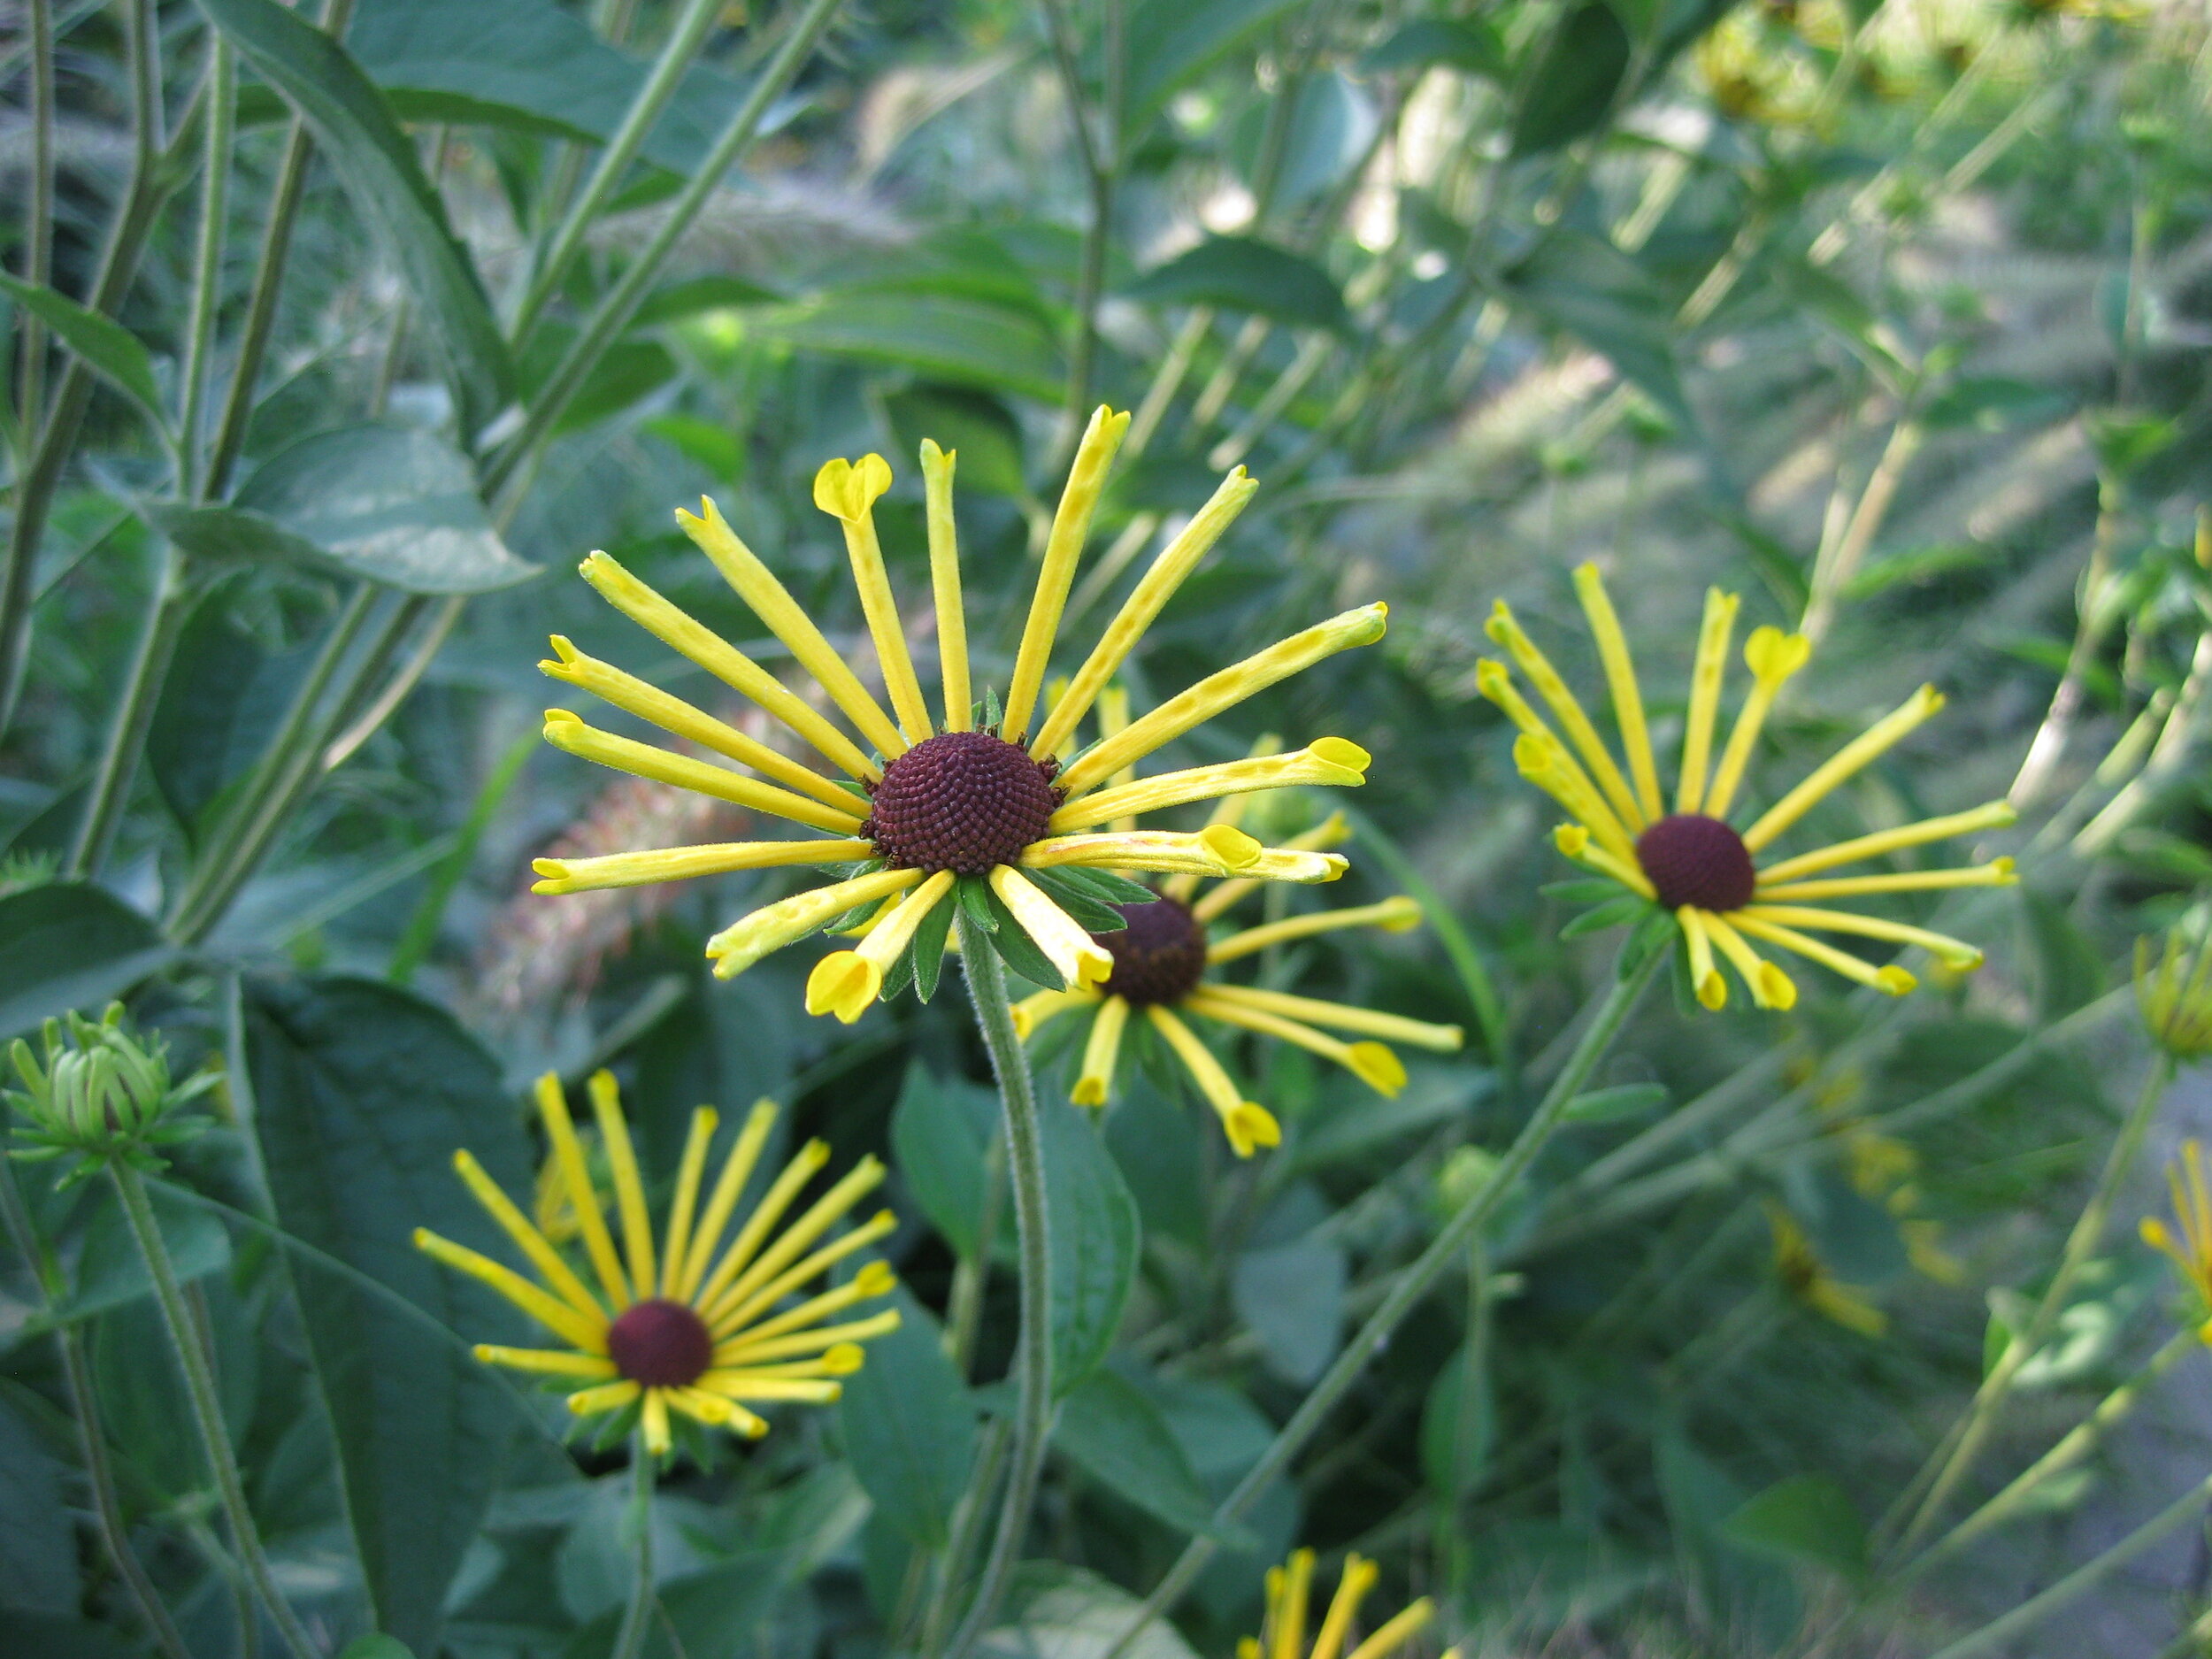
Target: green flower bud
<point>1466,1171</point>
<point>2175,993</point>
<point>102,1093</point>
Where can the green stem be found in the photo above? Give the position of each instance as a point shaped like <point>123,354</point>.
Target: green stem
<point>964,1307</point>
<point>1981,1416</point>
<point>422,929</point>
<point>1033,1401</point>
<point>207,1406</point>
<point>207,263</point>
<point>125,742</point>
<point>38,230</point>
<point>638,1617</point>
<point>967,1527</point>
<point>1410,1287</point>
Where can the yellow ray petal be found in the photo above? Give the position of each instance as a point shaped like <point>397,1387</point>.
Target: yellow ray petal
<point>675,627</point>
<point>629,1190</point>
<point>845,982</point>
<point>737,1169</point>
<point>1247,1123</point>
<point>1393,915</point>
<point>1772,656</point>
<point>1620,677</point>
<point>819,1216</point>
<point>1392,1028</point>
<point>1574,840</point>
<point>1539,758</point>
<point>1505,629</point>
<point>688,1169</point>
<point>875,1279</point>
<point>804,1165</point>
<point>1209,852</point>
<point>548,1309</point>
<point>1995,815</point>
<point>1330,761</point>
<point>1705,672</point>
<point>653,1423</point>
<point>1769,986</point>
<point>1394,1633</point>
<point>570,734</point>
<point>1998,872</point>
<point>1858,753</point>
<point>1095,1082</point>
<point>1358,1579</point>
<point>545,1362</point>
<point>745,941</point>
<point>743,1386</point>
<point>847,492</point>
<point>1369,1062</point>
<point>1705,978</point>
<point>747,1351</point>
<point>1954,954</point>
<point>1289,1620</point>
<point>730,1316</point>
<point>1232,685</point>
<point>1174,563</point>
<point>944,578</point>
<point>1891,980</point>
<point>681,863</point>
<point>1081,959</point>
<point>568,1152</point>
<point>1332,831</point>
<point>1495,681</point>
<point>607,1397</point>
<point>533,1243</point>
<point>1032,1013</point>
<point>1064,547</point>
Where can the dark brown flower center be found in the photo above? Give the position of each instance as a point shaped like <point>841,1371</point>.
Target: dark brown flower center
<point>960,801</point>
<point>661,1344</point>
<point>1696,860</point>
<point>1159,957</point>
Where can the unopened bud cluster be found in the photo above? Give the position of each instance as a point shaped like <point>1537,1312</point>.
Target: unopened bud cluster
<point>101,1094</point>
<point>2175,994</point>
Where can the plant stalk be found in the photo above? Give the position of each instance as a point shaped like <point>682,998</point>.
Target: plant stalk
<point>125,742</point>
<point>638,1617</point>
<point>38,229</point>
<point>206,1407</point>
<point>207,263</point>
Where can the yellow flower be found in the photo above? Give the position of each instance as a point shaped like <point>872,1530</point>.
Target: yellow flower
<point>1162,958</point>
<point>1691,860</point>
<point>1283,1636</point>
<point>1806,1277</point>
<point>2175,994</point>
<point>678,1327</point>
<point>949,815</point>
<point>2193,1214</point>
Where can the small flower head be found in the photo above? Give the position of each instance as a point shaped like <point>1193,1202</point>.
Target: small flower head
<point>963,811</point>
<point>686,1323</point>
<point>1686,857</point>
<point>1289,1598</point>
<point>102,1094</point>
<point>1809,1280</point>
<point>2191,1253</point>
<point>2175,993</point>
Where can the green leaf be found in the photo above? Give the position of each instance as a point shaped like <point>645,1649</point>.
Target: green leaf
<point>1056,1612</point>
<point>363,1093</point>
<point>38,1541</point>
<point>966,341</point>
<point>376,1645</point>
<point>1586,287</point>
<point>70,945</point>
<point>675,301</point>
<point>1016,948</point>
<point>1105,886</point>
<point>1291,1298</point>
<point>1574,84</point>
<point>1805,1519</point>
<point>111,1271</point>
<point>1459,1427</point>
<point>1472,44</point>
<point>376,162</point>
<point>1624,907</point>
<point>1095,1238</point>
<point>1610,1105</point>
<point>1171,42</point>
<point>940,1133</point>
<point>387,504</point>
<point>1242,274</point>
<point>112,350</point>
<point>909,1425</point>
<point>975,427</point>
<point>1583,890</point>
<point>223,700</point>
<point>1112,1432</point>
<point>1092,914</point>
<point>975,904</point>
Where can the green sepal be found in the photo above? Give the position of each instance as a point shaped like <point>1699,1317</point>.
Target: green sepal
<point>1091,914</point>
<point>1018,950</point>
<point>616,1426</point>
<point>1105,886</point>
<point>975,904</point>
<point>988,717</point>
<point>897,978</point>
<point>1585,890</point>
<point>1655,932</point>
<point>1624,908</point>
<point>927,955</point>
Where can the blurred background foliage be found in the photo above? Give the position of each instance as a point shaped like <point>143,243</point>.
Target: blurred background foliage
<point>1892,316</point>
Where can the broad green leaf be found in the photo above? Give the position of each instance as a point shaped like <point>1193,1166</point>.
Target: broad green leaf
<point>362,1095</point>
<point>1586,285</point>
<point>1291,1298</point>
<point>38,1542</point>
<point>909,1426</point>
<point>940,1133</point>
<point>1095,1238</point>
<point>973,426</point>
<point>29,1635</point>
<point>1331,130</point>
<point>376,1645</point>
<point>674,302</point>
<point>1471,44</point>
<point>1243,273</point>
<point>117,354</point>
<point>224,698</point>
<point>383,178</point>
<point>1574,84</point>
<point>1171,42</point>
<point>1056,1612</point>
<point>70,945</point>
<point>1116,1435</point>
<point>1459,1425</point>
<point>963,340</point>
<point>1807,1518</point>
<point>388,504</point>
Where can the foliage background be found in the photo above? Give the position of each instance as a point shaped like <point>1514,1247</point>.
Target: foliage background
<point>1892,316</point>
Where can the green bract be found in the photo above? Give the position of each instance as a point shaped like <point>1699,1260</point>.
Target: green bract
<point>103,1094</point>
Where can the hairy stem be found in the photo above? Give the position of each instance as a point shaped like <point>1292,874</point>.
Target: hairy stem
<point>173,593</point>
<point>637,1618</point>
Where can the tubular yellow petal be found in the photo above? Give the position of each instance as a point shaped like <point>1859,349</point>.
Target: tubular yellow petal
<point>1247,1123</point>
<point>843,983</point>
<point>749,1350</point>
<point>653,1423</point>
<point>548,1309</point>
<point>737,947</point>
<point>1574,840</point>
<point>1620,677</point>
<point>1370,1062</point>
<point>629,1190</point>
<point>1081,959</point>
<point>863,1177</point>
<point>895,927</point>
<point>1954,954</point>
<point>805,1164</point>
<point>1288,1623</point>
<point>1505,630</point>
<point>1772,656</point>
<point>1861,751</point>
<point>729,1315</point>
<point>1032,1013</point>
<point>533,1243</point>
<point>570,734</point>
<point>737,1169</point>
<point>568,1152</point>
<point>1891,980</point>
<point>1332,831</point>
<point>676,1248</point>
<point>1095,1083</point>
<point>1208,852</point>
<point>674,714</point>
<point>1999,872</point>
<point>1174,563</point>
<point>1358,1579</point>
<point>744,1385</point>
<point>1232,685</point>
<point>1705,978</point>
<point>1769,986</point>
<point>944,579</point>
<point>1993,814</point>
<point>1707,670</point>
<point>1393,915</point>
<point>875,1279</point>
<point>757,585</point>
<point>681,863</point>
<point>701,1407</point>
<point>607,1397</point>
<point>847,492</point>
<point>1064,547</point>
<point>1394,1633</point>
<point>1326,761</point>
<point>1394,1028</point>
<point>1539,757</point>
<point>545,1362</point>
<point>677,629</point>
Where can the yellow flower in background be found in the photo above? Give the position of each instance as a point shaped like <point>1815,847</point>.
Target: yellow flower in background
<point>1163,959</point>
<point>952,814</point>
<point>1806,1277</point>
<point>676,1326</point>
<point>1289,1590</point>
<point>1691,860</point>
<point>2191,1253</point>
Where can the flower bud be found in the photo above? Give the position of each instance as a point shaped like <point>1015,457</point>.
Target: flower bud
<point>102,1093</point>
<point>2175,993</point>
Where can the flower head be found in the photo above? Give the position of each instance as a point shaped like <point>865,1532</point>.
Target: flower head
<point>1691,860</point>
<point>1289,1592</point>
<point>690,1323</point>
<point>1163,961</point>
<point>1810,1279</point>
<point>102,1094</point>
<point>2191,1253</point>
<point>972,811</point>
<point>2175,993</point>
